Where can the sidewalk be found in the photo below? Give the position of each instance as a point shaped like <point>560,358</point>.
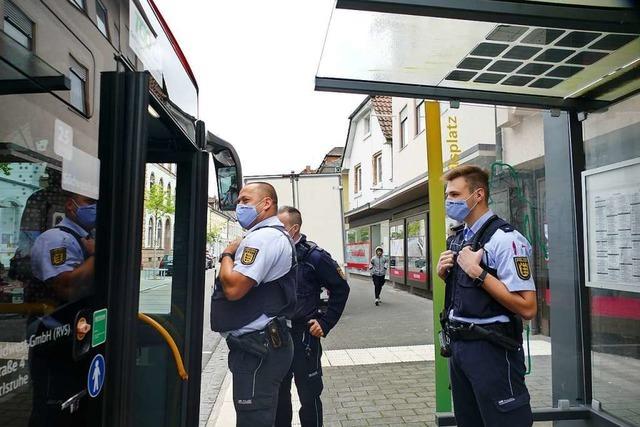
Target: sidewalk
<point>378,365</point>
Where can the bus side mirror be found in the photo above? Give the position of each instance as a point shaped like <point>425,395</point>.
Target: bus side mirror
<point>228,171</point>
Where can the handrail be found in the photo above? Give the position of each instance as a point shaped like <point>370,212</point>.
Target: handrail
<point>26,308</point>
<point>170,342</point>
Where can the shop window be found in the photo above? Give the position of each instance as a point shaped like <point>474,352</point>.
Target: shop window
<point>358,249</point>
<point>420,117</point>
<point>17,25</point>
<point>78,77</point>
<point>101,18</point>
<point>377,168</point>
<point>417,267</point>
<point>404,134</point>
<point>357,179</point>
<point>396,252</point>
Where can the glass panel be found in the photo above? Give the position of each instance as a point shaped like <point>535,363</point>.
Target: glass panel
<point>158,389</point>
<point>417,267</point>
<point>15,33</point>
<point>396,252</point>
<point>49,177</point>
<point>358,249</point>
<point>391,48</point>
<point>77,98</point>
<point>508,143</point>
<point>612,244</point>
<point>101,18</point>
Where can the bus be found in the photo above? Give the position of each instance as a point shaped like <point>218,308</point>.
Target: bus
<point>104,170</point>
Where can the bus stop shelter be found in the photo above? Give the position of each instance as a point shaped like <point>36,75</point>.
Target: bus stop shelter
<point>569,59</point>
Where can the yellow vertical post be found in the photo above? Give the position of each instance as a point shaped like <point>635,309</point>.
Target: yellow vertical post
<point>437,243</point>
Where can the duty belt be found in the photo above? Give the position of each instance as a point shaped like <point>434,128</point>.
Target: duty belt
<point>496,333</point>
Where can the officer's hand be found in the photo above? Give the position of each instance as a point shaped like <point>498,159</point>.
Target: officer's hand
<point>315,329</point>
<point>469,260</point>
<point>445,263</point>
<point>89,245</point>
<point>233,246</point>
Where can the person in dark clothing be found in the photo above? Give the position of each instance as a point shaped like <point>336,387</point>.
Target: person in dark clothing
<point>378,268</point>
<point>316,269</point>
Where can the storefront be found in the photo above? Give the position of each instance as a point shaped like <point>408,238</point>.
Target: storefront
<point>565,169</point>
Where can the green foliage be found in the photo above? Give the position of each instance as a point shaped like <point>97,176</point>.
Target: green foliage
<point>5,168</point>
<point>213,235</point>
<point>158,201</point>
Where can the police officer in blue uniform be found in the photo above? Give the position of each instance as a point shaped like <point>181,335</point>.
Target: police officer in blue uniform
<point>62,258</point>
<point>252,304</point>
<point>316,269</point>
<point>62,271</point>
<point>489,289</point>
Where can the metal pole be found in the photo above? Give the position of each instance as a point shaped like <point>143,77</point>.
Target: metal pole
<point>437,241</point>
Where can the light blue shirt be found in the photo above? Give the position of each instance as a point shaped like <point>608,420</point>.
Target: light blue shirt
<point>55,251</point>
<point>500,253</point>
<point>264,255</point>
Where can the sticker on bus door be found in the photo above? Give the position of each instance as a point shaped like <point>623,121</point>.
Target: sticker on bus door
<point>95,376</point>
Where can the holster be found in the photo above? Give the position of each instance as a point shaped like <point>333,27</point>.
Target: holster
<point>258,343</point>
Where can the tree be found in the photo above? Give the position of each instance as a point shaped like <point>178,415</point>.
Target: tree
<point>5,168</point>
<point>213,235</point>
<point>158,202</point>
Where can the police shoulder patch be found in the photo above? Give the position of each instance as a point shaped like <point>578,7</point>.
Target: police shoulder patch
<point>522,267</point>
<point>249,255</point>
<point>340,272</point>
<point>58,256</point>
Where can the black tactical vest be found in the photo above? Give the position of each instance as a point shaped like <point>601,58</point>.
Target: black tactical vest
<point>462,295</point>
<point>275,298</point>
<point>308,291</point>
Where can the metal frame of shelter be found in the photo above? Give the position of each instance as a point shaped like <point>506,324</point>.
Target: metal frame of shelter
<point>563,145</point>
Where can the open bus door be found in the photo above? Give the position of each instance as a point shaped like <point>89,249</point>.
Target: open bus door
<point>120,344</point>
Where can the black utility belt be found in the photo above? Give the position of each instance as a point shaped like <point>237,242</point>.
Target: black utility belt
<point>258,343</point>
<point>501,334</point>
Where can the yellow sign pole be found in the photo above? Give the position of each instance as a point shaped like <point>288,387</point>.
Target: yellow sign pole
<point>437,241</point>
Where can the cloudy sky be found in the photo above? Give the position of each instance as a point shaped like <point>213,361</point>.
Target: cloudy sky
<point>255,63</point>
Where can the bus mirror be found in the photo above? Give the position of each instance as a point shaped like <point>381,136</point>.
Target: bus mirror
<point>228,178</point>
<point>228,171</point>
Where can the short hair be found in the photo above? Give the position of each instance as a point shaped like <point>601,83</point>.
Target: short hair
<point>266,190</point>
<point>474,176</point>
<point>294,214</point>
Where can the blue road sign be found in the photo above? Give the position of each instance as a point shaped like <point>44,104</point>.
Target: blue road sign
<point>95,377</point>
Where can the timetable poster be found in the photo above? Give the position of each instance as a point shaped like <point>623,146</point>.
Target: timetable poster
<point>612,226</point>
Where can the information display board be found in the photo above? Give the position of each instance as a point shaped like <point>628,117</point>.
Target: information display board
<point>611,209</point>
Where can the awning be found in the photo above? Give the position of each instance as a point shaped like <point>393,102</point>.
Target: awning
<point>557,55</point>
<point>21,71</point>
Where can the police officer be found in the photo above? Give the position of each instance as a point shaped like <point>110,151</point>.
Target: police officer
<point>62,258</point>
<point>489,289</point>
<point>62,267</point>
<point>316,269</point>
<point>253,298</point>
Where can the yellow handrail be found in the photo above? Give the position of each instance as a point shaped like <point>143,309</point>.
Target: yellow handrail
<point>170,342</point>
<point>27,308</point>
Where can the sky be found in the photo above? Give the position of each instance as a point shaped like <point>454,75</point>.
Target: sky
<point>255,63</point>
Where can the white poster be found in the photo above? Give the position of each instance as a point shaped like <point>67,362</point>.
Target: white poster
<point>611,206</point>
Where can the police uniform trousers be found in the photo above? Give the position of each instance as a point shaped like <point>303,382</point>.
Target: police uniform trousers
<point>307,372</point>
<point>256,381</point>
<point>488,385</point>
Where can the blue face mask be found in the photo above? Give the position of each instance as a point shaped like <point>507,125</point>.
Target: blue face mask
<point>246,214</point>
<point>86,215</point>
<point>458,209</point>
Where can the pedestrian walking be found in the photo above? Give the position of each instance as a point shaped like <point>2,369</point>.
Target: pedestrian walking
<point>489,289</point>
<point>316,269</point>
<point>378,268</point>
<point>252,305</point>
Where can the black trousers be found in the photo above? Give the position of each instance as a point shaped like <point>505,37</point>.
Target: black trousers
<point>307,372</point>
<point>378,283</point>
<point>256,381</point>
<point>487,383</point>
